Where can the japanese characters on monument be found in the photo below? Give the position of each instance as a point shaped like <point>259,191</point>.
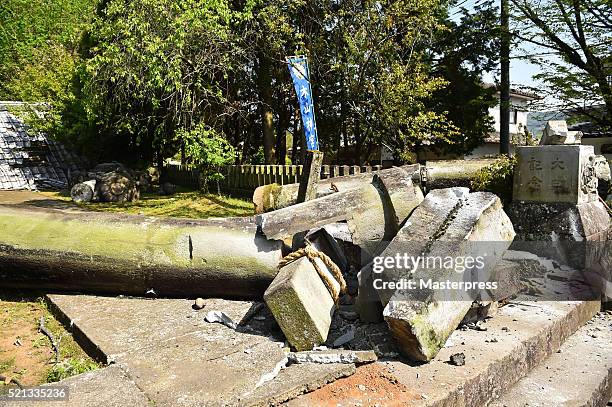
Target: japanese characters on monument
<point>555,173</point>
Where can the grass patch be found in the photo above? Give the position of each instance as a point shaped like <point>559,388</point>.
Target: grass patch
<point>7,364</point>
<point>70,367</point>
<point>25,353</point>
<point>183,204</point>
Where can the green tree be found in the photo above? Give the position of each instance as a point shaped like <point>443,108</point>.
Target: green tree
<point>370,76</point>
<point>159,66</point>
<point>207,151</point>
<point>39,46</point>
<point>464,49</point>
<point>571,41</point>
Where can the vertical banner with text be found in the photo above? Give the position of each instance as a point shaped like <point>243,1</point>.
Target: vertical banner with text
<point>298,67</point>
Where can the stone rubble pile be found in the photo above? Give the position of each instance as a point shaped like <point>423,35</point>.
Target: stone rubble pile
<point>386,218</point>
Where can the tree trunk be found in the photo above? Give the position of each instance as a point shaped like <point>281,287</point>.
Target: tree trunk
<point>281,136</point>
<point>296,136</point>
<point>50,249</point>
<point>264,80</point>
<point>504,91</point>
<point>358,142</point>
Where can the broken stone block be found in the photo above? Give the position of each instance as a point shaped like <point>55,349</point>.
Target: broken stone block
<point>324,242</point>
<point>368,304</point>
<point>426,223</point>
<point>421,319</point>
<point>412,238</point>
<point>301,303</point>
<point>559,231</point>
<point>556,133</point>
<point>334,356</point>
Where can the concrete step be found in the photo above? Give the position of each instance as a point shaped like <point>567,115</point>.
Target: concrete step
<point>580,374</point>
<point>517,339</point>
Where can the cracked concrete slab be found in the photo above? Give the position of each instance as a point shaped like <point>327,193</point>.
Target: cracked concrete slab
<point>520,336</point>
<point>177,359</point>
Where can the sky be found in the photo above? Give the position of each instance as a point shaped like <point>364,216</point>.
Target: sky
<point>521,71</point>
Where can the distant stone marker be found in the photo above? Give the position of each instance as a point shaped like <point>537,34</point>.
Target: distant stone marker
<point>556,133</point>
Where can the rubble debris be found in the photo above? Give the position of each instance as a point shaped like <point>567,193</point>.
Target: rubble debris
<point>270,376</point>
<point>252,314</point>
<point>349,315</point>
<point>421,320</point>
<point>345,337</point>
<point>333,356</point>
<point>373,212</point>
<point>29,159</point>
<point>556,133</point>
<point>480,310</point>
<point>457,359</point>
<point>301,303</point>
<point>108,182</point>
<point>199,303</point>
<point>221,318</point>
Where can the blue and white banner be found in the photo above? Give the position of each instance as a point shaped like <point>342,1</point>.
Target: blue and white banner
<point>298,67</point>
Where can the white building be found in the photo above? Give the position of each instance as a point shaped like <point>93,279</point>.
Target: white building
<point>519,110</point>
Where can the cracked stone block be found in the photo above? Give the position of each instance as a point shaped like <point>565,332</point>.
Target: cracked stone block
<point>301,303</point>
<point>421,319</point>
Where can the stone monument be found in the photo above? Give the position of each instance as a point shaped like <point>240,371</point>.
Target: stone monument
<point>555,173</point>
<point>556,209</point>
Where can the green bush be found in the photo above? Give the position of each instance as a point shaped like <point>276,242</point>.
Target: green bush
<point>208,151</point>
<point>70,367</point>
<point>496,177</point>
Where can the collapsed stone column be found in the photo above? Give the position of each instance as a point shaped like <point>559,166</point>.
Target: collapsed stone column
<point>452,225</point>
<point>373,212</point>
<point>50,249</point>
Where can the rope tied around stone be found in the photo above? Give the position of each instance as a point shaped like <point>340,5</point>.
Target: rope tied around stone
<point>312,254</point>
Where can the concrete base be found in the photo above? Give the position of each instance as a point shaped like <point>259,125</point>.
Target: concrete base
<point>518,339</point>
<point>108,387</point>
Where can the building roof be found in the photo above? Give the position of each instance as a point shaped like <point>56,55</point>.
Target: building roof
<point>31,161</point>
<point>516,92</point>
<point>590,130</point>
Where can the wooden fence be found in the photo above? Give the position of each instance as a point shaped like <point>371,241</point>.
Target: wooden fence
<point>241,180</point>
